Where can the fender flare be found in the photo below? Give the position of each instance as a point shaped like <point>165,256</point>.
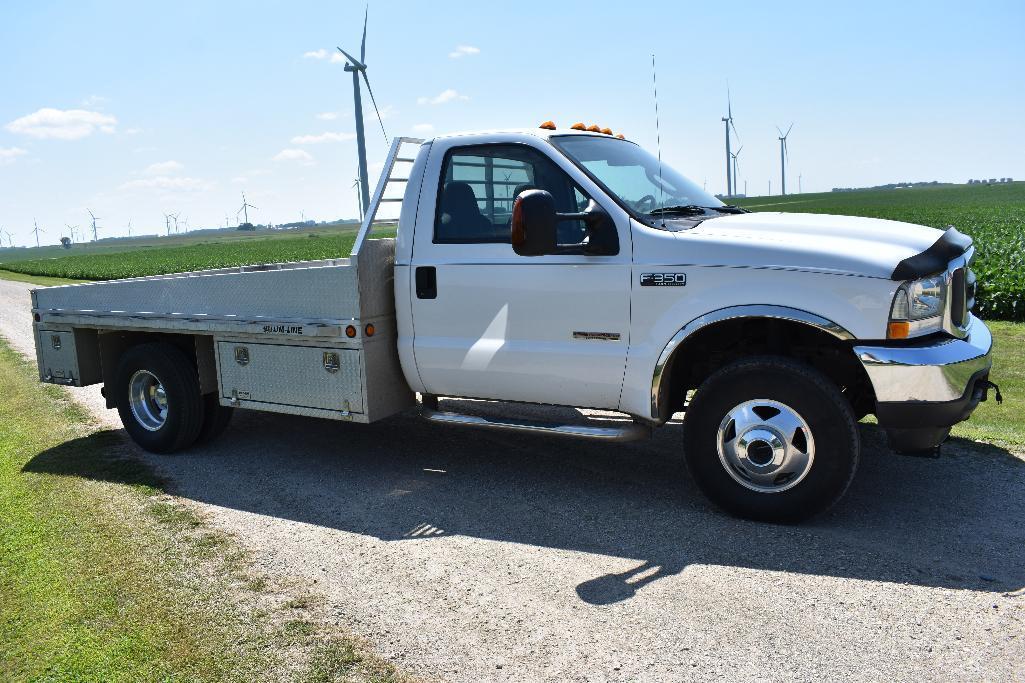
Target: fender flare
<point>731,313</point>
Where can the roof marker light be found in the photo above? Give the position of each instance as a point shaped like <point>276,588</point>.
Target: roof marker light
<point>606,131</point>
<point>548,125</point>
<point>620,136</point>
<point>578,126</point>
<point>593,128</point>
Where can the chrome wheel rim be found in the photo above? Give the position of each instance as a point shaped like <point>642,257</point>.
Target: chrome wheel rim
<point>148,400</point>
<point>765,446</point>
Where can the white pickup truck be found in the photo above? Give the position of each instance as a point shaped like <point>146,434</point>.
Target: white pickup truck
<point>569,268</point>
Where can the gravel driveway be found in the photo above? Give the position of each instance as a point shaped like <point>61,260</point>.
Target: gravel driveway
<point>469,556</point>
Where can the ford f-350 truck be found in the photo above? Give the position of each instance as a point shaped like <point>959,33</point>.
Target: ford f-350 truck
<point>564,268</point>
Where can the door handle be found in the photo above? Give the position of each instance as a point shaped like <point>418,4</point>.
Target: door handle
<point>426,282</point>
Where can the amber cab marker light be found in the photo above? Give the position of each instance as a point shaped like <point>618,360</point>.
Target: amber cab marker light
<point>350,331</point>
<point>606,131</point>
<point>548,125</point>
<point>578,126</point>
<point>898,330</point>
<point>620,136</point>
<point>370,329</point>
<point>594,128</point>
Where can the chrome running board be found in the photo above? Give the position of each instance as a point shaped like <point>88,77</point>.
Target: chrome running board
<point>631,432</point>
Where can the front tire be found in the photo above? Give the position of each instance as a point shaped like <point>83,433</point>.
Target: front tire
<point>158,397</point>
<point>771,439</point>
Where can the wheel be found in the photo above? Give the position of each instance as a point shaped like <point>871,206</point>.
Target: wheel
<point>215,418</point>
<point>771,439</point>
<point>158,397</point>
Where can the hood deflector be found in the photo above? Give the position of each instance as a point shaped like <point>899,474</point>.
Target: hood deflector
<point>950,245</point>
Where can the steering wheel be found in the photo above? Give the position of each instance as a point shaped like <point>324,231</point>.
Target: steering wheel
<point>646,204</point>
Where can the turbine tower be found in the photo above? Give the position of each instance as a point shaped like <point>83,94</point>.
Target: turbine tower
<point>728,123</point>
<point>37,230</point>
<point>167,223</point>
<point>783,158</point>
<point>71,229</point>
<point>245,208</point>
<point>95,227</point>
<point>357,67</point>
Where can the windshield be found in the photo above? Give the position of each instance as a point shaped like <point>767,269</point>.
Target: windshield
<point>632,174</point>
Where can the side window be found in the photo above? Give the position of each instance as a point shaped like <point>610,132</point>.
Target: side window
<point>479,185</point>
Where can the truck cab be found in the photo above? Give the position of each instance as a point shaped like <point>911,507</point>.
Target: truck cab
<point>572,268</point>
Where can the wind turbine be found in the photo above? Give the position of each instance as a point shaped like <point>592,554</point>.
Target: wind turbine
<point>10,239</point>
<point>736,166</point>
<point>728,122</point>
<point>174,217</point>
<point>357,67</point>
<point>71,229</point>
<point>245,208</point>
<point>359,197</point>
<point>799,190</point>
<point>37,230</point>
<point>783,157</point>
<point>94,219</point>
<point>167,223</point>
<point>129,228</point>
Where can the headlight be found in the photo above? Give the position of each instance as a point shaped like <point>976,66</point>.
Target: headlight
<point>918,308</point>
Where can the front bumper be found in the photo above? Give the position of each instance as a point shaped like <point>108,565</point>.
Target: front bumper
<point>923,389</point>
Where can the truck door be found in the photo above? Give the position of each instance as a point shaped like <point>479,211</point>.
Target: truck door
<point>488,323</point>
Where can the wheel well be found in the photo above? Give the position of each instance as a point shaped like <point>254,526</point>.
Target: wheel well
<point>198,348</point>
<point>716,345</point>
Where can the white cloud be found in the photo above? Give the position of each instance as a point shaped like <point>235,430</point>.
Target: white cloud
<point>323,137</point>
<point>164,168</point>
<point>337,57</point>
<point>294,155</point>
<point>327,116</point>
<point>423,128</point>
<point>388,111</point>
<point>464,51</point>
<point>167,183</point>
<point>443,97</point>
<point>62,124</point>
<point>316,54</point>
<point>9,154</point>
<point>133,131</point>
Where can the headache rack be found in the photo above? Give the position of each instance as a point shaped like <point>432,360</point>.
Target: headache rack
<point>394,157</point>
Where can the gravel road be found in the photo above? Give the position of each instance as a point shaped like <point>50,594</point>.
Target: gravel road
<point>471,556</point>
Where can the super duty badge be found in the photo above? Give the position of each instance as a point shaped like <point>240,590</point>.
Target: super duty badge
<point>663,279</point>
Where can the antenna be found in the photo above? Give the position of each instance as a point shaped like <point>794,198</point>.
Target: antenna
<point>94,219</point>
<point>37,231</point>
<point>658,140</point>
<point>357,67</point>
<point>783,157</point>
<point>245,208</point>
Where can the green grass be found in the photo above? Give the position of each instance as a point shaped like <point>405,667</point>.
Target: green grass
<point>41,280</point>
<point>994,215</point>
<point>105,578</point>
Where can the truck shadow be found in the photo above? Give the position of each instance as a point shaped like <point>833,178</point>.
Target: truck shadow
<point>955,522</point>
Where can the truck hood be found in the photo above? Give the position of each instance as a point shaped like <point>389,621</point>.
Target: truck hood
<point>846,245</point>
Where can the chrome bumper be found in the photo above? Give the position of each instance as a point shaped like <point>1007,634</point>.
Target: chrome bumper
<point>929,372</point>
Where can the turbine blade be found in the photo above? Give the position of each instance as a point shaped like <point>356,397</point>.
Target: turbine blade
<point>376,110</point>
<point>355,62</point>
<point>363,45</point>
<point>789,129</point>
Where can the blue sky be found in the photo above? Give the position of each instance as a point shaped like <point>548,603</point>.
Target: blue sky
<point>136,109</point>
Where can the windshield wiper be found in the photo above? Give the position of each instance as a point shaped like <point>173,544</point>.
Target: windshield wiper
<point>729,208</point>
<point>683,210</point>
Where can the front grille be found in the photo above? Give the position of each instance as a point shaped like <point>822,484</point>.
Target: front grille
<point>962,295</point>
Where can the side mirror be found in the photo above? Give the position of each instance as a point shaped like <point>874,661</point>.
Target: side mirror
<point>533,223</point>
<point>534,227</point>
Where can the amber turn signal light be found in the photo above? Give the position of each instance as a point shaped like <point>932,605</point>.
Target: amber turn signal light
<point>350,331</point>
<point>370,329</point>
<point>548,125</point>
<point>898,330</point>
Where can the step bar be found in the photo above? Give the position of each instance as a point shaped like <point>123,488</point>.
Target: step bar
<point>631,432</point>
